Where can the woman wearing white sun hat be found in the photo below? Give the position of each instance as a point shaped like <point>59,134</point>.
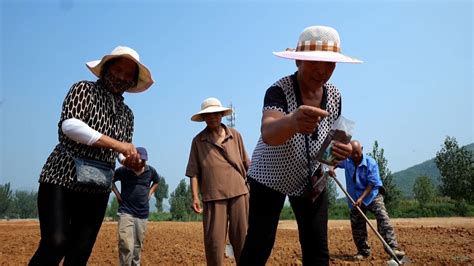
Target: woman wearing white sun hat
<point>96,125</point>
<point>217,169</point>
<point>298,113</point>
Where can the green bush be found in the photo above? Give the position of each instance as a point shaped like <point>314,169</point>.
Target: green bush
<point>159,216</point>
<point>461,208</point>
<point>339,211</point>
<point>440,207</point>
<point>287,213</point>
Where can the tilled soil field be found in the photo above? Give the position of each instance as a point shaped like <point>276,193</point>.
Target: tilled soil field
<point>427,241</point>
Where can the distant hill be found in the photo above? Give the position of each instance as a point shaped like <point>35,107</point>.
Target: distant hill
<point>406,178</point>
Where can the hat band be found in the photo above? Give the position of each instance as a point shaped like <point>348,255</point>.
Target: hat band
<point>309,46</point>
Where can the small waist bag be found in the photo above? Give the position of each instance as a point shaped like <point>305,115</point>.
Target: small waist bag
<point>94,173</point>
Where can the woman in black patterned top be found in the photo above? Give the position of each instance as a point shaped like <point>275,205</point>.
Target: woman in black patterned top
<point>95,124</point>
<point>298,112</point>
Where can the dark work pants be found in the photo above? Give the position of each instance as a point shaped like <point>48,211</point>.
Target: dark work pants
<point>69,223</point>
<point>264,213</point>
<point>359,226</point>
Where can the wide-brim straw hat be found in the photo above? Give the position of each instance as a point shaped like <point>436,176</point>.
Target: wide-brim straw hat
<point>210,105</point>
<point>144,76</point>
<point>318,43</point>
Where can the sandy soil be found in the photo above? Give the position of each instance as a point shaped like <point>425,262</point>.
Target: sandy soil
<point>427,241</point>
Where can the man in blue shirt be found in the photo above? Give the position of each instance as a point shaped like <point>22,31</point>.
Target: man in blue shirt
<point>137,187</point>
<point>365,186</point>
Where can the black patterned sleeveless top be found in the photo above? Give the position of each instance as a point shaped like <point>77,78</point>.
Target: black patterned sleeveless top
<point>101,110</point>
<point>284,168</point>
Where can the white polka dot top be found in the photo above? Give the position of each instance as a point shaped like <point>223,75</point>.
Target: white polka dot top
<point>284,168</point>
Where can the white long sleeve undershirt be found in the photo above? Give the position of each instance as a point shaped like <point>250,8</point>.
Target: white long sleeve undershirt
<point>79,131</point>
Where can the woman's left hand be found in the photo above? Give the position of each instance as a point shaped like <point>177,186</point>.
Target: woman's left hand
<point>341,151</point>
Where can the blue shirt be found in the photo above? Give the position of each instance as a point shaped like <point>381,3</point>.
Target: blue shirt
<point>134,190</point>
<point>367,174</point>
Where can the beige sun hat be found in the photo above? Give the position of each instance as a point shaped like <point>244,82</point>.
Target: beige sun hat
<point>210,105</point>
<point>318,43</point>
<point>144,76</point>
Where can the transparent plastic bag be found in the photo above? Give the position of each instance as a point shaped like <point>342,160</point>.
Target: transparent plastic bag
<point>341,131</point>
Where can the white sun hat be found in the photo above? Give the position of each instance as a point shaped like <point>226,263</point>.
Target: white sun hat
<point>318,43</point>
<point>144,76</point>
<point>210,105</point>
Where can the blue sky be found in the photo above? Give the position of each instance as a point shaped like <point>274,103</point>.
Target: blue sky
<point>414,88</point>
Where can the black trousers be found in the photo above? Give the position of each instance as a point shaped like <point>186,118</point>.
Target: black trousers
<point>69,224</point>
<point>265,207</point>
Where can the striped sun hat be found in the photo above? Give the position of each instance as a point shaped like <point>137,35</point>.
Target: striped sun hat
<point>318,43</point>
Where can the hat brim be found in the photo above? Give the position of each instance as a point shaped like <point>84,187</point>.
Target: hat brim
<point>213,109</point>
<point>144,76</point>
<point>318,56</point>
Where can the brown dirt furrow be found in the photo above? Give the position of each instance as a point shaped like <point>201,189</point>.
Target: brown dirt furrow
<point>429,241</point>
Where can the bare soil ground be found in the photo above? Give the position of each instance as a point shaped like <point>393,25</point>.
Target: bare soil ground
<point>427,241</point>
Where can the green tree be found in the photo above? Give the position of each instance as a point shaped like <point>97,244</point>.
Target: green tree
<point>161,193</point>
<point>457,171</point>
<point>24,204</point>
<point>332,191</point>
<point>180,203</point>
<point>6,199</point>
<point>392,193</point>
<point>423,190</point>
<point>112,209</point>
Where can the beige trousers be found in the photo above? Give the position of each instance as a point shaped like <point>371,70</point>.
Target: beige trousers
<point>131,232</point>
<point>220,216</point>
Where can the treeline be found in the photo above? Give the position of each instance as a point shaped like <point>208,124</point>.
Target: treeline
<point>20,204</point>
<point>454,196</point>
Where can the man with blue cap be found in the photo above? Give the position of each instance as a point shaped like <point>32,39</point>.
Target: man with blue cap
<point>137,187</point>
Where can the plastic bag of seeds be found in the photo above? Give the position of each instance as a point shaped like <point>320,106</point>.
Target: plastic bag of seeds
<point>341,131</point>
